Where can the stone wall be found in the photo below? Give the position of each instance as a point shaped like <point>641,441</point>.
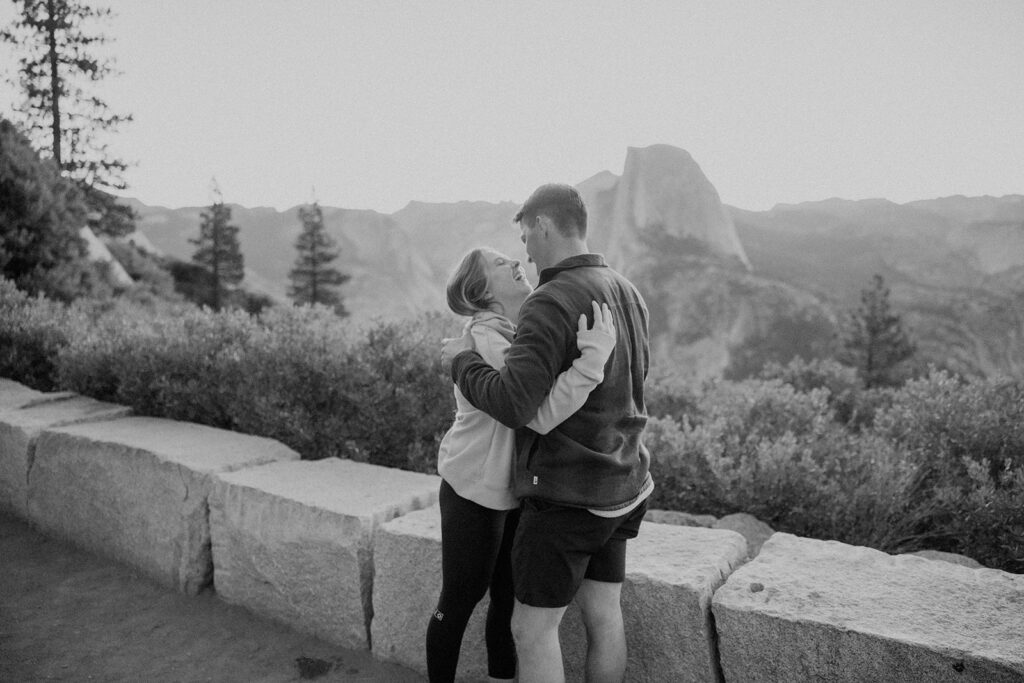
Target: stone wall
<point>351,553</point>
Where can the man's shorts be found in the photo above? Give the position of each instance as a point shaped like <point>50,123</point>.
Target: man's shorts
<point>556,547</point>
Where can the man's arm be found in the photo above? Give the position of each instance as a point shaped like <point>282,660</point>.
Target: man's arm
<point>513,394</point>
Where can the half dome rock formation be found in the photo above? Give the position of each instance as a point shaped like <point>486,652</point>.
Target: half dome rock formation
<point>662,197</point>
<point>663,225</point>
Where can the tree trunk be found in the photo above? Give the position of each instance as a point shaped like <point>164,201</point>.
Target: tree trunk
<point>216,258</point>
<point>312,290</point>
<point>51,38</point>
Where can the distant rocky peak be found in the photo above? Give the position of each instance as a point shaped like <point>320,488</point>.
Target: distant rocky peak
<point>600,182</point>
<point>662,194</point>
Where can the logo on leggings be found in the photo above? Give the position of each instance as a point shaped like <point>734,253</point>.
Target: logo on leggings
<point>439,615</point>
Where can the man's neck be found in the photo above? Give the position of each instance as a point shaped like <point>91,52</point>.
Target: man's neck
<point>567,249</point>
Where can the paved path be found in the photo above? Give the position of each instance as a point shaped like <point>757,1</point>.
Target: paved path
<point>67,615</point>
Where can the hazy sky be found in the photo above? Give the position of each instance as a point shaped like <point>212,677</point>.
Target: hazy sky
<point>376,103</point>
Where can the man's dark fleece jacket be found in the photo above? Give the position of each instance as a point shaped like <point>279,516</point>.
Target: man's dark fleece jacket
<point>595,459</point>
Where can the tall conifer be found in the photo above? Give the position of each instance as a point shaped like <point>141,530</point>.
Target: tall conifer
<point>218,250</point>
<point>62,113</point>
<point>874,340</point>
<point>313,279</point>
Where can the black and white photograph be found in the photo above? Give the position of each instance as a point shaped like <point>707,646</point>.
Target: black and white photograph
<point>665,341</point>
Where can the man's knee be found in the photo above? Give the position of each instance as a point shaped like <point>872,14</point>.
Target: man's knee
<point>600,604</point>
<point>533,624</point>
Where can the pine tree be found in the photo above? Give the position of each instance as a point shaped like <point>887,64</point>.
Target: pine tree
<point>874,340</point>
<point>313,279</point>
<point>218,250</point>
<point>61,113</point>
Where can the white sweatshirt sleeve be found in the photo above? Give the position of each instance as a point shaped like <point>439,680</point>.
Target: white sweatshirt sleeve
<point>491,346</point>
<point>570,391</point>
<point>571,388</point>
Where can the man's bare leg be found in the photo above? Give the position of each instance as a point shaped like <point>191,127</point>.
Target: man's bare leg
<point>600,605</point>
<point>538,652</point>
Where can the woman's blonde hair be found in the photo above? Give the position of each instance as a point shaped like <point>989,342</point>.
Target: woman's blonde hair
<point>467,286</point>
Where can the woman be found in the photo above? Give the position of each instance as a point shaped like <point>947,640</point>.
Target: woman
<point>478,511</point>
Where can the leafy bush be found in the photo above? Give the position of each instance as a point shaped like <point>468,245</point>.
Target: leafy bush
<point>852,404</point>
<point>939,469</point>
<point>967,439</point>
<point>406,402</point>
<point>299,375</point>
<point>33,330</point>
<point>160,364</point>
<point>671,396</point>
<point>764,448</point>
<point>943,418</point>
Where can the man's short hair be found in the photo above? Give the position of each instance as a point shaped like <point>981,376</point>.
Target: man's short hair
<point>562,204</point>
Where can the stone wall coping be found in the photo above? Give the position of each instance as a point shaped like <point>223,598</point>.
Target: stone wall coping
<point>661,552</point>
<point>338,486</point>
<point>15,395</point>
<point>196,447</point>
<point>682,555</point>
<point>64,411</point>
<point>900,597</point>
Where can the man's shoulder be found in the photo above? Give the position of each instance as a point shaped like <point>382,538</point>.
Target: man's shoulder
<point>545,301</point>
<point>586,281</point>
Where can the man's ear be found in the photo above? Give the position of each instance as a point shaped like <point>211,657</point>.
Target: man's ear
<point>545,224</point>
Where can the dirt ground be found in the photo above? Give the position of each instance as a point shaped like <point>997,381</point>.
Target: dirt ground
<point>66,615</point>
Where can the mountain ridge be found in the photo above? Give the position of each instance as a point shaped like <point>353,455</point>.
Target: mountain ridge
<point>731,287</point>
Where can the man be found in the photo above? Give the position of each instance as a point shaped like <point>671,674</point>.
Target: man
<point>583,486</point>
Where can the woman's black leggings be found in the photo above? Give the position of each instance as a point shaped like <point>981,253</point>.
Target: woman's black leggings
<point>476,544</point>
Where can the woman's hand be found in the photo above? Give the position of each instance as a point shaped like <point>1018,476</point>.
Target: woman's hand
<point>453,346</point>
<point>599,339</point>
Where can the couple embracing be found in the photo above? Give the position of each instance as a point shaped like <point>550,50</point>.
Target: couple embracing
<point>544,475</point>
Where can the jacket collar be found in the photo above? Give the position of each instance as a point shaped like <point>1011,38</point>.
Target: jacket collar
<point>495,321</point>
<point>578,261</point>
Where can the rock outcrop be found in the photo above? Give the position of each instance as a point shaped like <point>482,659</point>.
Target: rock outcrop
<point>750,527</point>
<point>98,252</point>
<point>661,196</point>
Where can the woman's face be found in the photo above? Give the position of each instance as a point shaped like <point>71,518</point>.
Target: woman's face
<point>506,279</point>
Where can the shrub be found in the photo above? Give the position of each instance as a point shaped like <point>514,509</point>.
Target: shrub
<point>941,468</point>
<point>679,465</point>
<point>406,402</point>
<point>33,330</point>
<point>176,366</point>
<point>967,440</point>
<point>852,404</point>
<point>942,419</point>
<point>769,450</point>
<point>296,374</point>
<point>672,396</point>
<point>982,516</point>
<point>314,384</point>
<point>294,381</point>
